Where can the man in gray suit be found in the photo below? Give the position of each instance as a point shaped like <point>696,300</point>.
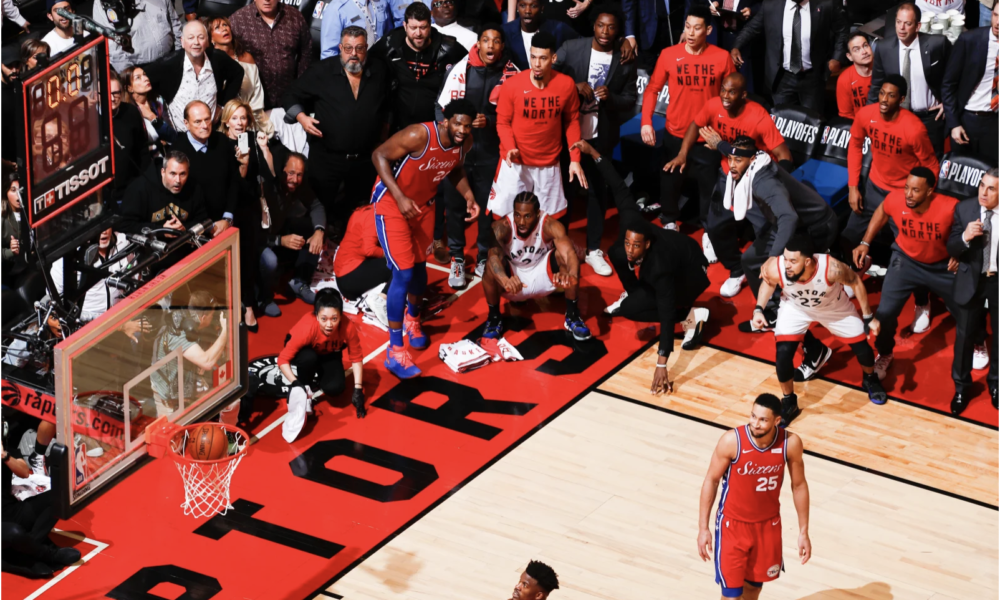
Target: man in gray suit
<point>607,88</point>
<point>921,58</point>
<point>974,242</point>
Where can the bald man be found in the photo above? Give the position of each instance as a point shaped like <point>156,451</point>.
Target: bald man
<point>196,72</point>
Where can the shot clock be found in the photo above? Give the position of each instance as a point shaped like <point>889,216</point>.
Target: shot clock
<point>67,131</point>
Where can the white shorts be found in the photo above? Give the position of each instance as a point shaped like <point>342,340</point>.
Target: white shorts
<point>512,179</point>
<point>843,322</point>
<point>537,280</point>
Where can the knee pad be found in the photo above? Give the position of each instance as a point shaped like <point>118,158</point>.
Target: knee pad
<point>864,353</point>
<point>784,352</point>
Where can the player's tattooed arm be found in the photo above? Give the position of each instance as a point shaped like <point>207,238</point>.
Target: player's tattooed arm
<point>555,231</point>
<point>838,272</point>
<point>769,280</point>
<point>501,235</point>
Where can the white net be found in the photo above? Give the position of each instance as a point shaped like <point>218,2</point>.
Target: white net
<point>206,482</point>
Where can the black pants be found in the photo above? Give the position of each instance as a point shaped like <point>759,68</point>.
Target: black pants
<point>702,164</point>
<point>451,212</point>
<point>970,329</point>
<point>641,303</point>
<point>597,197</point>
<point>904,277</point>
<point>807,88</point>
<point>327,370</point>
<point>936,130</point>
<point>754,257</point>
<point>370,273</point>
<point>328,171</point>
<point>857,224</point>
<point>26,527</point>
<point>723,230</point>
<point>982,132</point>
<point>273,263</point>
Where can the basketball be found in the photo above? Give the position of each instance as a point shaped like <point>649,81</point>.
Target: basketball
<point>207,442</point>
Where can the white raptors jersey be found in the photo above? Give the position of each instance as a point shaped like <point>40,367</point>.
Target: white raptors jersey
<point>817,293</point>
<point>526,253</point>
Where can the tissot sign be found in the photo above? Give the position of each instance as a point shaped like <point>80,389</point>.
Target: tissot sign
<point>75,182</point>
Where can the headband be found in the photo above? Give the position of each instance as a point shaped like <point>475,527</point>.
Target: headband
<point>728,150</point>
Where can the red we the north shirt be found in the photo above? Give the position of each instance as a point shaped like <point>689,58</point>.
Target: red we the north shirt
<point>852,92</point>
<point>693,80</point>
<point>897,147</point>
<point>307,333</point>
<point>754,122</point>
<point>922,237</point>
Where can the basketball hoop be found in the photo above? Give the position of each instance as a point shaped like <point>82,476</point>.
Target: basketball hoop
<point>206,482</point>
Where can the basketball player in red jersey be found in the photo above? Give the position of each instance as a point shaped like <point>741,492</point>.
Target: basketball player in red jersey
<point>424,154</point>
<point>750,462</point>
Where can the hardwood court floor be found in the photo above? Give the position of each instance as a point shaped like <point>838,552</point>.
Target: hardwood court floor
<point>607,493</point>
<point>837,421</point>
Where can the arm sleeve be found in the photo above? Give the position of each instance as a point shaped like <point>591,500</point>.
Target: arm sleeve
<point>505,119</point>
<point>571,122</point>
<point>840,31</point>
<point>300,338</point>
<point>949,86</point>
<point>353,343</point>
<point>329,40</point>
<point>299,96</point>
<point>657,80</point>
<point>234,75</point>
<point>854,149</point>
<point>11,12</point>
<point>769,133</point>
<point>701,119</point>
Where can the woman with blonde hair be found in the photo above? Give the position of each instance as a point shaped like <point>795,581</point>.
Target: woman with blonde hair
<point>236,115</point>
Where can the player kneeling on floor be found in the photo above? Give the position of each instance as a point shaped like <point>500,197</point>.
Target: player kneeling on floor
<point>315,348</point>
<point>812,291</point>
<point>531,257</point>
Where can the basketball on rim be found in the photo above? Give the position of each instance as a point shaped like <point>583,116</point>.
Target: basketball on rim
<point>207,442</point>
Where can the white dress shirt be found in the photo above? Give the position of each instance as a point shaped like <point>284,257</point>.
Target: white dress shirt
<point>994,237</point>
<point>193,87</point>
<point>786,34</point>
<point>466,37</point>
<point>921,98</point>
<point>981,96</point>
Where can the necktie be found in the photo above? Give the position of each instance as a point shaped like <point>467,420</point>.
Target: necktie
<point>906,75</point>
<point>795,60</point>
<point>987,241</point>
<point>996,71</point>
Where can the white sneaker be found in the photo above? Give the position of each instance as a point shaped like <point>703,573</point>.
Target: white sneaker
<point>921,318</point>
<point>480,268</point>
<point>882,365</point>
<point>614,306</point>
<point>708,249</point>
<point>595,258</point>
<point>37,463</point>
<point>980,357</point>
<point>377,306</point>
<point>456,278</point>
<point>672,226</point>
<point>693,328</point>
<point>732,286</point>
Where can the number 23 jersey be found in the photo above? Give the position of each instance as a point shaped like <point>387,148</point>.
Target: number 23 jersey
<point>816,293</point>
<point>751,487</point>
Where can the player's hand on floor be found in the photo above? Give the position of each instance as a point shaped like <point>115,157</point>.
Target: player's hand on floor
<point>358,400</point>
<point>805,547</point>
<point>661,383</point>
<point>705,545</point>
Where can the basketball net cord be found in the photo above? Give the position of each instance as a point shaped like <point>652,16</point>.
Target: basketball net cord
<point>206,482</point>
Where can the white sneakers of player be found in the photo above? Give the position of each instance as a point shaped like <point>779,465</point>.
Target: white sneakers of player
<point>708,249</point>
<point>377,304</point>
<point>612,308</point>
<point>456,276</point>
<point>980,357</point>
<point>882,365</point>
<point>693,326</point>
<point>480,268</point>
<point>672,226</point>
<point>732,286</point>
<point>921,318</point>
<point>595,258</point>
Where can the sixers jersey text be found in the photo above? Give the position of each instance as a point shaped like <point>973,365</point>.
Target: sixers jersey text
<point>751,488</point>
<point>419,176</point>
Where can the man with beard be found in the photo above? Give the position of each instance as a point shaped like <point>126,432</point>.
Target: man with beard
<point>476,78</point>
<point>59,39</point>
<point>349,98</point>
<point>806,298</point>
<point>446,21</point>
<point>419,57</point>
<point>423,155</point>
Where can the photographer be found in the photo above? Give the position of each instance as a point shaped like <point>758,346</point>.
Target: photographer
<point>15,250</point>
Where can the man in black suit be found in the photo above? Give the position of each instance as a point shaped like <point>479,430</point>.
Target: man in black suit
<point>197,72</point>
<point>921,59</point>
<point>806,43</point>
<point>607,97</point>
<point>531,20</point>
<point>663,272</point>
<point>974,241</point>
<point>967,90</point>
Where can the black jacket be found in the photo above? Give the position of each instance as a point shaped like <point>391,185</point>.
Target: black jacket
<point>827,36</point>
<point>783,205</point>
<point>934,53</point>
<point>965,70</point>
<point>479,85</point>
<point>131,147</point>
<point>146,201</point>
<point>674,266</point>
<point>970,266</point>
<point>165,75</point>
<point>573,59</point>
<point>215,171</point>
<point>413,98</point>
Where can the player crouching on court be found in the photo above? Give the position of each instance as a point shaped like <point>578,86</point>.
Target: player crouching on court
<point>812,291</point>
<point>531,256</point>
<point>750,462</point>
<point>315,348</point>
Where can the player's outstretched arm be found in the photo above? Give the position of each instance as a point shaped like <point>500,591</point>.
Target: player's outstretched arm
<point>725,453</point>
<point>879,219</point>
<point>800,493</point>
<point>570,267</point>
<point>769,280</point>
<point>407,141</point>
<point>495,257</point>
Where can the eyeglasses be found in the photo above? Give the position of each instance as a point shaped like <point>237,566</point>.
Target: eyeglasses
<point>353,49</point>
<point>118,93</point>
<point>440,3</point>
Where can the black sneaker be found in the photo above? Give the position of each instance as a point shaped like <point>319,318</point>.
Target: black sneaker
<point>60,557</point>
<point>789,409</point>
<point>810,367</point>
<point>872,385</point>
<point>769,315</point>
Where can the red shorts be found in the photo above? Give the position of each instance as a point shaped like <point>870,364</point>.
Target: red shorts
<point>405,242</point>
<point>747,551</point>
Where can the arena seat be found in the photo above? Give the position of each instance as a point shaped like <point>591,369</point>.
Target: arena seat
<point>960,175</point>
<point>827,172</point>
<point>220,8</point>
<point>801,129</point>
<point>630,130</point>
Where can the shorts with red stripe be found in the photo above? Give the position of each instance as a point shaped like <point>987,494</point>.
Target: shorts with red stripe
<point>842,321</point>
<point>404,241</point>
<point>747,552</point>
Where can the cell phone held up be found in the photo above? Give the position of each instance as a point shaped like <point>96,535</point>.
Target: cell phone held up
<point>243,143</point>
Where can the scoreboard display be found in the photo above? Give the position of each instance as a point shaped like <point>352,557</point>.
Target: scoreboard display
<point>67,131</point>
